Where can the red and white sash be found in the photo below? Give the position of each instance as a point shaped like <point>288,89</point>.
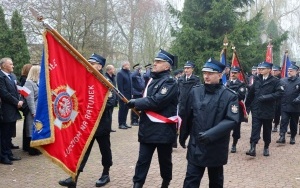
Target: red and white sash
<point>155,117</point>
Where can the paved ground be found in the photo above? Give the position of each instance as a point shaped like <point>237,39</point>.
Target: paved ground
<point>280,169</point>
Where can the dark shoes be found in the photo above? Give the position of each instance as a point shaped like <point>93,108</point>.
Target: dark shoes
<point>252,150</point>
<point>14,147</point>
<point>122,126</point>
<point>13,158</point>
<point>102,181</point>
<point>6,161</point>
<point>233,149</point>
<point>292,141</point>
<point>68,183</point>
<point>128,126</point>
<point>266,152</point>
<point>274,129</point>
<point>113,131</point>
<point>135,124</point>
<point>34,151</point>
<point>281,140</point>
<point>137,185</point>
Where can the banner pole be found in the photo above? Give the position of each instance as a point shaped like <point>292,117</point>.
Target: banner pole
<point>73,50</point>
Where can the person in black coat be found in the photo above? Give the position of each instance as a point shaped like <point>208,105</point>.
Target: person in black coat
<point>138,86</point>
<point>213,112</point>
<point>124,83</point>
<point>10,105</point>
<point>23,77</point>
<point>276,72</point>
<point>110,74</point>
<point>160,99</point>
<point>240,88</point>
<point>261,99</point>
<point>290,104</point>
<point>102,135</point>
<point>185,84</point>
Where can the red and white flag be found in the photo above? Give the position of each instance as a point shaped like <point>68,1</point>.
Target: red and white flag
<point>24,91</point>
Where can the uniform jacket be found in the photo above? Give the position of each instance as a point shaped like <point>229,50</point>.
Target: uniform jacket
<point>161,98</point>
<point>215,113</point>
<point>240,88</point>
<point>104,126</point>
<point>263,95</point>
<point>184,87</point>
<point>138,83</point>
<point>291,92</point>
<point>124,83</point>
<point>10,99</point>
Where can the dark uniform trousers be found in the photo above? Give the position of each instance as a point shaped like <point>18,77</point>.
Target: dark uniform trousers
<point>195,173</point>
<point>104,146</point>
<point>236,134</point>
<point>291,118</point>
<point>256,127</point>
<point>164,152</point>
<point>123,112</point>
<point>277,113</point>
<point>6,129</point>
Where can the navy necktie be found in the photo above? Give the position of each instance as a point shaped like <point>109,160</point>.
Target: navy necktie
<point>11,78</point>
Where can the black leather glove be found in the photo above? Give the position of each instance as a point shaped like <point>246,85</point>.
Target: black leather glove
<point>203,138</point>
<point>261,98</point>
<point>296,101</point>
<point>131,103</point>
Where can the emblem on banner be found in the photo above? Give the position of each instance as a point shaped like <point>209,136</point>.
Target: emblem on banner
<point>65,106</point>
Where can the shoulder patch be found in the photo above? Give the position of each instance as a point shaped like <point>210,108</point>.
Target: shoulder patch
<point>234,109</point>
<point>164,90</point>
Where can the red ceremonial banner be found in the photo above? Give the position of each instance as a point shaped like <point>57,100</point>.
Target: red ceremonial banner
<point>75,100</point>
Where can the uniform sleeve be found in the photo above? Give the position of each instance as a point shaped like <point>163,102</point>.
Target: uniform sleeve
<point>242,92</point>
<point>187,119</point>
<point>228,123</point>
<point>161,99</point>
<point>277,92</point>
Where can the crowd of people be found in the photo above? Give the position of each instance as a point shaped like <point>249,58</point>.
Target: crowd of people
<point>208,114</point>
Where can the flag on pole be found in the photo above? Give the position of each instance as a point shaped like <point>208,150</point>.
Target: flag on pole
<point>269,53</point>
<point>71,103</point>
<point>223,61</point>
<point>236,63</point>
<point>286,63</point>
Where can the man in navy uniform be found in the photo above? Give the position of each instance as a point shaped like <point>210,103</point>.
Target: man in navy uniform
<point>240,88</point>
<point>138,86</point>
<point>102,134</point>
<point>261,99</point>
<point>160,99</point>
<point>290,104</point>
<point>185,84</point>
<point>124,83</point>
<point>252,76</point>
<point>276,72</point>
<point>213,112</point>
